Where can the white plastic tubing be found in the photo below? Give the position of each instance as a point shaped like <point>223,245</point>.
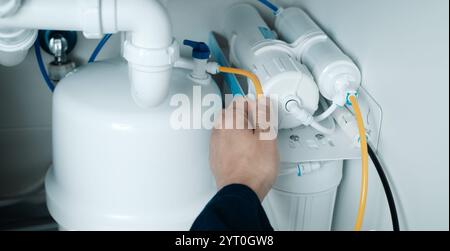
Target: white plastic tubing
<point>150,50</point>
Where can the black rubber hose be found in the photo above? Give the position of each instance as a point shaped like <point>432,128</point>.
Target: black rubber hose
<point>387,189</point>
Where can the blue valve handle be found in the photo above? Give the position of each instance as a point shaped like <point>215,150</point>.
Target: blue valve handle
<point>270,5</point>
<point>200,49</point>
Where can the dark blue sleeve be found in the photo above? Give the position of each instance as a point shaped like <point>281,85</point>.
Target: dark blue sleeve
<point>234,208</point>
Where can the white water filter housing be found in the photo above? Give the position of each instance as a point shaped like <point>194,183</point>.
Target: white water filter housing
<point>304,195</point>
<point>335,73</point>
<point>254,47</point>
<point>121,167</point>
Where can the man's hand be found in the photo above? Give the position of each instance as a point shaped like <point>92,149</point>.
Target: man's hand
<point>238,155</point>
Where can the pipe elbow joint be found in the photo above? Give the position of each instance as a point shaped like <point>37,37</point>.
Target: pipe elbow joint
<point>150,50</point>
<point>147,21</point>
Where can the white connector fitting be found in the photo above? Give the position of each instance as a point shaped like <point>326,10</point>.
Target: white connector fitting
<point>335,73</point>
<point>9,7</point>
<point>14,45</point>
<point>150,50</point>
<point>294,106</point>
<point>200,68</point>
<point>14,42</point>
<point>199,71</point>
<point>347,122</point>
<point>213,68</point>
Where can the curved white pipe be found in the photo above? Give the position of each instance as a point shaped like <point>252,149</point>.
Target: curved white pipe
<point>327,113</point>
<point>151,52</point>
<point>148,22</point>
<point>294,107</point>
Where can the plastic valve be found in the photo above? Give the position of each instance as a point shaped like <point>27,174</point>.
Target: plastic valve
<point>200,49</point>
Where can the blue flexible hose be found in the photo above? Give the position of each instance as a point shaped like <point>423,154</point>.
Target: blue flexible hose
<point>270,5</point>
<point>99,47</point>
<point>40,61</point>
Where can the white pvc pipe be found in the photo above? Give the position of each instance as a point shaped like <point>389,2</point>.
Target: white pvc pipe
<point>46,14</point>
<point>307,119</point>
<point>150,53</point>
<point>146,19</point>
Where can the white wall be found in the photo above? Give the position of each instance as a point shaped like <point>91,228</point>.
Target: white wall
<point>402,48</point>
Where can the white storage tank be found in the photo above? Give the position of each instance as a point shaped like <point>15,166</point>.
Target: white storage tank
<point>121,167</point>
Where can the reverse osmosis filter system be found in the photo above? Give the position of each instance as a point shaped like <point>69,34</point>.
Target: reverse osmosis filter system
<point>297,71</point>
<point>117,164</point>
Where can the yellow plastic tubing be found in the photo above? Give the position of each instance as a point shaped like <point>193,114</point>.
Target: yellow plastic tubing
<point>362,134</point>
<point>251,76</point>
<point>365,164</point>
